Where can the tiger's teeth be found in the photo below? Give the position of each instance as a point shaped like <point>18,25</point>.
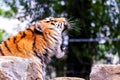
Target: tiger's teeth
<point>64,49</point>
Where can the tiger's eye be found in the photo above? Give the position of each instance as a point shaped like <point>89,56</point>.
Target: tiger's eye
<point>47,21</point>
<point>55,21</point>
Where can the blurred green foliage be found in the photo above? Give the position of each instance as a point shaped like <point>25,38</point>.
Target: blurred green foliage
<point>7,13</point>
<point>1,35</point>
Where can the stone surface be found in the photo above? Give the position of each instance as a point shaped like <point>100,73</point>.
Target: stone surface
<point>67,78</point>
<point>105,72</point>
<point>15,68</point>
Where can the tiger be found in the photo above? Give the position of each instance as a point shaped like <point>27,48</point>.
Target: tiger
<point>42,40</point>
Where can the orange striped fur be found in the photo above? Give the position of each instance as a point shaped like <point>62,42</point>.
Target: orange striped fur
<point>45,37</point>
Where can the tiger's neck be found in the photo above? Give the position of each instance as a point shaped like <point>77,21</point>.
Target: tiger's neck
<point>48,40</point>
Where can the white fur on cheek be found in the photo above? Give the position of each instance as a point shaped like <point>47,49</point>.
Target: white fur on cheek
<point>56,41</point>
<point>60,55</point>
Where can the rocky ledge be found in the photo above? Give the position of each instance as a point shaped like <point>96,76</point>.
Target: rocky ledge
<point>67,78</point>
<point>105,72</point>
<point>15,68</point>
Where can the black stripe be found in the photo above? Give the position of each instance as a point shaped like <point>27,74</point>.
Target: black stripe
<point>30,30</point>
<point>33,45</point>
<point>5,43</point>
<point>1,52</point>
<point>43,57</point>
<point>17,47</point>
<point>14,39</point>
<point>44,38</point>
<point>55,38</point>
<point>37,55</point>
<point>51,49</point>
<point>51,29</point>
<point>46,55</point>
<point>23,35</point>
<point>46,50</point>
<point>8,38</point>
<point>38,32</point>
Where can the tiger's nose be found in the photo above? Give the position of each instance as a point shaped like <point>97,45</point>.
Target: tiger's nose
<point>67,25</point>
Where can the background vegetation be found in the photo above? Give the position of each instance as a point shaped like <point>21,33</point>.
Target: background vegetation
<point>98,20</point>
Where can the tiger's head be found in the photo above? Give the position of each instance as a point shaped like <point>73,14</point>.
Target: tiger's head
<point>52,29</point>
<point>59,24</point>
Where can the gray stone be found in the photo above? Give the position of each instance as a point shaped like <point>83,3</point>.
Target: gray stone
<point>105,72</point>
<point>15,68</point>
<point>67,78</point>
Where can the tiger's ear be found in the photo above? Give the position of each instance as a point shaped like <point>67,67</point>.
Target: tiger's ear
<point>38,27</point>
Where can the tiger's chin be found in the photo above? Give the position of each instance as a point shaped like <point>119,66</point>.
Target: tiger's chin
<point>62,53</point>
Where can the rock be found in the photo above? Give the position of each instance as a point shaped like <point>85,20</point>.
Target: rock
<point>15,68</point>
<point>67,78</point>
<point>105,72</point>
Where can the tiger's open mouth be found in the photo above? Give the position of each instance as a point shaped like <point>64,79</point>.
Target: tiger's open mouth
<point>65,27</point>
<point>63,48</point>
